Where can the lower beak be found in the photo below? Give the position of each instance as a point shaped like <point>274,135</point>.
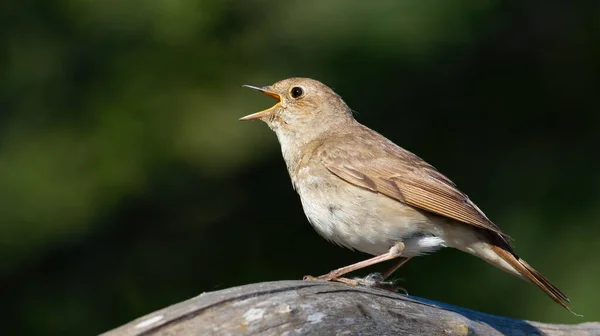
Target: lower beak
<point>264,113</point>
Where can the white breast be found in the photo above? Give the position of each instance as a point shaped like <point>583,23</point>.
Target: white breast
<point>361,220</point>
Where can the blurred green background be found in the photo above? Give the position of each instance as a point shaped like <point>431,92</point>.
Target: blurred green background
<point>127,183</point>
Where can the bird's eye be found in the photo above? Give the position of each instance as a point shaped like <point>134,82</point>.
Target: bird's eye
<point>296,92</point>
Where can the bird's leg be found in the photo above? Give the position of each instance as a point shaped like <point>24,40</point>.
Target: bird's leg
<point>398,264</point>
<point>394,252</point>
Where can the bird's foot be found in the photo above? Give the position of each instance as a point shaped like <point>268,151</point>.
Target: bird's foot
<point>326,277</point>
<point>376,280</point>
<point>373,280</point>
<point>334,275</point>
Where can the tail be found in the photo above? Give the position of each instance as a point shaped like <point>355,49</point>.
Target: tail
<point>509,262</point>
<point>527,272</point>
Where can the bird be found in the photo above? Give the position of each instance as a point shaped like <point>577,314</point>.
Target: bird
<point>362,191</point>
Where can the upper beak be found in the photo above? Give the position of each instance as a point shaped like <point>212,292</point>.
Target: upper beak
<point>266,112</point>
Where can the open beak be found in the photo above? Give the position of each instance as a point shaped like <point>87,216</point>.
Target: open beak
<point>263,113</point>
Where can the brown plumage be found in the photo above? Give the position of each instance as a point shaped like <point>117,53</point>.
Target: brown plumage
<point>360,190</point>
<point>405,177</point>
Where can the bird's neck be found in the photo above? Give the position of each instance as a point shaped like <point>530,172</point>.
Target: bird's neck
<point>292,151</point>
<point>297,149</point>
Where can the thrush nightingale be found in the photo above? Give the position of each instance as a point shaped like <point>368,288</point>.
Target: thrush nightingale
<point>360,190</point>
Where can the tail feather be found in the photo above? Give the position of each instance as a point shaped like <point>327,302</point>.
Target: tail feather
<point>545,281</point>
<point>529,273</point>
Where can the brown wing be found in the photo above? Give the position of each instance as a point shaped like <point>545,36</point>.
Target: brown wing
<point>392,171</point>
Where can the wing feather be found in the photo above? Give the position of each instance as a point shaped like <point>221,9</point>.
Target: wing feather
<point>406,178</point>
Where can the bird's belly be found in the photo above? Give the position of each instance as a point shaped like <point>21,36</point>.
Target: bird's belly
<point>368,222</point>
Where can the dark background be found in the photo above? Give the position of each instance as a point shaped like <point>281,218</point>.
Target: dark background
<point>127,183</point>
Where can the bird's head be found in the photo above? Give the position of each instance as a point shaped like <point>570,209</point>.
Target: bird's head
<point>305,109</point>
